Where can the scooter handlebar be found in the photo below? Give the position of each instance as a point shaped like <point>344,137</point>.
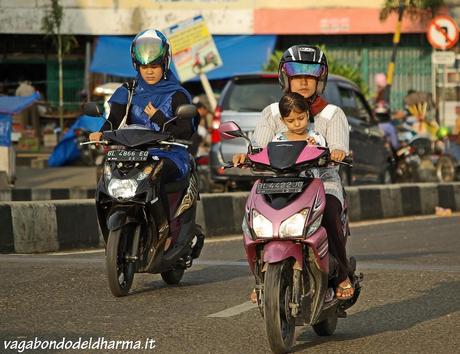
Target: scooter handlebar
<point>103,142</point>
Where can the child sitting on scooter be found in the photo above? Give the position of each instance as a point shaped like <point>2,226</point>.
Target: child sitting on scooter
<point>294,110</point>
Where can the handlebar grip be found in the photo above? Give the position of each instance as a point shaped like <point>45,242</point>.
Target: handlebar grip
<point>348,160</point>
<point>183,141</point>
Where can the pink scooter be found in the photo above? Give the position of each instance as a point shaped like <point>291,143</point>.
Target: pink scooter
<point>286,246</point>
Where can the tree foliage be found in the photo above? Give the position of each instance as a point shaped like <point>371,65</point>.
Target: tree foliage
<point>335,67</point>
<point>51,25</point>
<point>415,9</point>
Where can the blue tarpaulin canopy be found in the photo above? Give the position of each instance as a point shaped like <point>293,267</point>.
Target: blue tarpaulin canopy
<point>15,104</point>
<point>10,105</point>
<point>67,150</point>
<point>240,55</point>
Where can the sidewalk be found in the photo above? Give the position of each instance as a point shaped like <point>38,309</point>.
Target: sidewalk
<point>57,177</point>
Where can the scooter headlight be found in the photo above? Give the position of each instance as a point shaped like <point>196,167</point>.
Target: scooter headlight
<point>122,188</point>
<point>107,172</point>
<point>261,225</point>
<point>245,228</point>
<point>314,225</point>
<point>294,225</point>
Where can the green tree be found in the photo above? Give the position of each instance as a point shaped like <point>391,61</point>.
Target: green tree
<point>335,67</point>
<point>51,25</point>
<point>413,8</point>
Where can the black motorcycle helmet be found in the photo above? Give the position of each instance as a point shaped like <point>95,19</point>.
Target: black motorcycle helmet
<point>300,60</point>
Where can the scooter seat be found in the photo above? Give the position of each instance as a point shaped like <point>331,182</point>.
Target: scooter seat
<point>178,186</point>
<point>183,183</point>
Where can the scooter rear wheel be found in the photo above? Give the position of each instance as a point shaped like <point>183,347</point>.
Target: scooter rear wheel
<point>120,272</point>
<point>279,323</point>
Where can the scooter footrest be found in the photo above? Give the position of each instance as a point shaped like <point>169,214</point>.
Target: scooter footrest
<point>341,313</point>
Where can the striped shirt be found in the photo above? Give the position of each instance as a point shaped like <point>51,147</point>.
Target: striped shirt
<point>331,123</point>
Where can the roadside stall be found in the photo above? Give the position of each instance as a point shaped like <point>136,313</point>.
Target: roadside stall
<point>9,106</point>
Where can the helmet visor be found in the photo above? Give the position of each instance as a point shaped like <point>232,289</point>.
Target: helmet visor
<point>148,50</point>
<point>292,68</point>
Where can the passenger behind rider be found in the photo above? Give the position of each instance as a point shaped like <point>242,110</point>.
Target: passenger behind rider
<point>295,115</point>
<point>303,69</point>
<point>157,95</point>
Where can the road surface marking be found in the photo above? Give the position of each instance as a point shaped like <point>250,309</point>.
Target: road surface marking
<point>74,252</point>
<point>235,310</point>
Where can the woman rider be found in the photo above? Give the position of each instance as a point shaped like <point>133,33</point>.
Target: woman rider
<point>156,96</point>
<point>303,69</point>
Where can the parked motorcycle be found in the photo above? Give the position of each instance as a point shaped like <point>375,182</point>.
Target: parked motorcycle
<point>286,246</point>
<point>140,236</point>
<point>421,160</point>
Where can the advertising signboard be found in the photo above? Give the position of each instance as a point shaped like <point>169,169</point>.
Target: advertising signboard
<point>193,49</point>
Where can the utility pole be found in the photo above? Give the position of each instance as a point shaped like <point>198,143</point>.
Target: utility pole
<point>391,65</point>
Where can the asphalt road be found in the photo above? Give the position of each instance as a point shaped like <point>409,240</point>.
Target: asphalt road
<point>410,302</point>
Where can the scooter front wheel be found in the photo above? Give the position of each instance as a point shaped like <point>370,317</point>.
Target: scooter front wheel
<point>279,323</point>
<point>120,272</point>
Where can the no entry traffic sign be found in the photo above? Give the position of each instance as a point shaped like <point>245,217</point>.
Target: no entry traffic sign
<point>442,32</point>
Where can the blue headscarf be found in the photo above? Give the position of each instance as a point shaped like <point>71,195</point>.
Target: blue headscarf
<point>160,94</point>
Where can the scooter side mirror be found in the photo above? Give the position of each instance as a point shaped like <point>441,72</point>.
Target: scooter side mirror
<point>230,130</point>
<point>186,111</point>
<point>92,109</point>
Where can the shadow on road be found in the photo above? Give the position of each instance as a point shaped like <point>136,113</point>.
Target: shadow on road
<point>207,275</point>
<point>432,303</point>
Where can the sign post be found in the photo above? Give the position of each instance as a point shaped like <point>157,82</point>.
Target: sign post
<point>443,34</point>
<point>194,52</point>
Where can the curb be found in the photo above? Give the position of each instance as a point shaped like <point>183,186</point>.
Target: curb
<point>34,227</point>
<point>35,194</point>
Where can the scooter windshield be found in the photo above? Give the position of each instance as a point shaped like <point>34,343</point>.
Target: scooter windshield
<point>284,154</point>
<point>287,154</point>
<point>133,136</point>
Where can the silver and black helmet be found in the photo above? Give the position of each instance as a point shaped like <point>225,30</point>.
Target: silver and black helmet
<point>303,60</point>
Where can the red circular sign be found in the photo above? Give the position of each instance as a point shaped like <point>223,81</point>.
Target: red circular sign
<point>442,32</point>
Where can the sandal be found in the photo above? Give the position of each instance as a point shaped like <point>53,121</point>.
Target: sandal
<point>253,296</point>
<point>341,289</point>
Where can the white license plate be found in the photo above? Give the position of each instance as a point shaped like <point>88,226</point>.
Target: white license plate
<point>279,187</point>
<point>127,155</point>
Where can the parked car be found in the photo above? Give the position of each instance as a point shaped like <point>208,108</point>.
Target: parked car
<point>245,96</point>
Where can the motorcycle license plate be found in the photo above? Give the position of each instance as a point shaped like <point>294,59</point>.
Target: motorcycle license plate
<point>127,155</point>
<point>279,187</point>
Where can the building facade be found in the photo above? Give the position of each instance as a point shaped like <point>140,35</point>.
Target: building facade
<point>352,33</point>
